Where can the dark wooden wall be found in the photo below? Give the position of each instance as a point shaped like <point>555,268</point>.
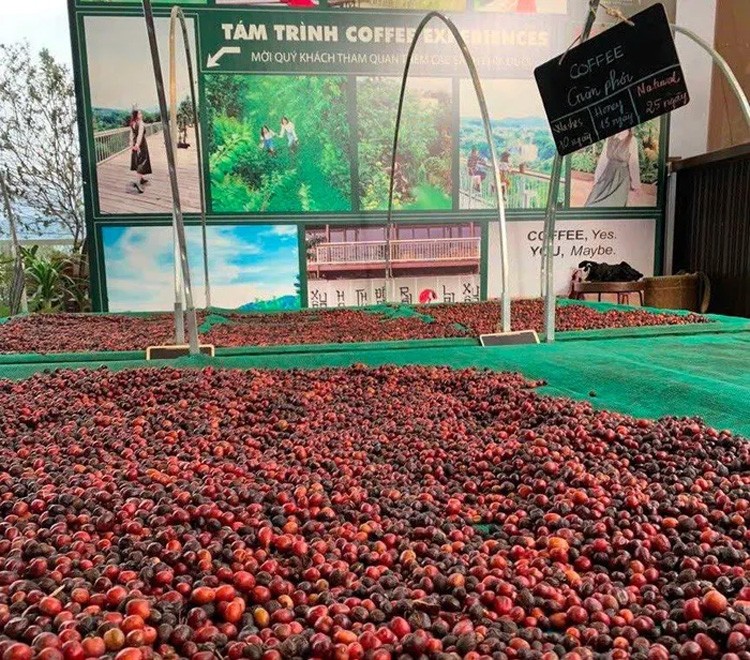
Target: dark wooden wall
<point>712,225</point>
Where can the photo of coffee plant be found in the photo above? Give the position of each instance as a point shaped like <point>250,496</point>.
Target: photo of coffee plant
<point>278,143</point>
<point>423,167</point>
<point>622,170</point>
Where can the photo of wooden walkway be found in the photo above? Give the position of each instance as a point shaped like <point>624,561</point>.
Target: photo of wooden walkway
<point>118,196</point>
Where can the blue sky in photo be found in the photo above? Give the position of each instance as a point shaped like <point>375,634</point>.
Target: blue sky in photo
<point>247,263</point>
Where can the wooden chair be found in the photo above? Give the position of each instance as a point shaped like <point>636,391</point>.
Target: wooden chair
<point>621,289</point>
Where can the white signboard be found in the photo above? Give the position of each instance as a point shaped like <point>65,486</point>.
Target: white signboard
<point>609,241</point>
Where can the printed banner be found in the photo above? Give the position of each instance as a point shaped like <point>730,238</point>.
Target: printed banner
<point>298,103</point>
<point>355,265</point>
<point>338,42</point>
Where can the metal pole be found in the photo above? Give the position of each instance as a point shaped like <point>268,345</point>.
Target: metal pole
<point>177,14</point>
<point>179,298</point>
<point>723,67</point>
<point>176,206</point>
<point>173,76</point>
<point>548,244</point>
<point>179,287</point>
<point>19,274</point>
<point>505,298</point>
<point>668,250</point>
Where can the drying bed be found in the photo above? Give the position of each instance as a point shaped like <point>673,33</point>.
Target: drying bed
<point>346,513</point>
<point>69,333</point>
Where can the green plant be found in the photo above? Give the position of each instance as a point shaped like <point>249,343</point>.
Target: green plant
<point>185,113</point>
<point>374,193</point>
<point>584,161</point>
<point>43,280</point>
<point>55,281</point>
<point>75,281</point>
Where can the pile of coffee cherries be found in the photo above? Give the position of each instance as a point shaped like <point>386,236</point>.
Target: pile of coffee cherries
<point>483,318</point>
<point>63,333</point>
<point>76,333</point>
<point>378,513</point>
<point>330,326</point>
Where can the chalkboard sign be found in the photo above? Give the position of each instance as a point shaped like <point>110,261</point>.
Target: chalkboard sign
<point>614,81</point>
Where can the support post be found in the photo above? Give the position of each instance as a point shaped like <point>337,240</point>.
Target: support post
<point>179,302</point>
<point>175,16</point>
<point>548,242</point>
<point>504,295</point>
<point>179,290</point>
<point>179,225</point>
<point>668,249</point>
<point>18,299</point>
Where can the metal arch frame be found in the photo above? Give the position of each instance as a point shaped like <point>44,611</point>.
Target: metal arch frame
<point>722,64</point>
<point>177,218</point>
<point>178,15</point>
<point>505,298</point>
<point>549,221</point>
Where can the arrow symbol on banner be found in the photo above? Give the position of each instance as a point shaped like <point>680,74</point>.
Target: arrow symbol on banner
<point>213,60</point>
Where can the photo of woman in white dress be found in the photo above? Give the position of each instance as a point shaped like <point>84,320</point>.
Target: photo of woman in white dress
<point>290,132</point>
<point>617,172</point>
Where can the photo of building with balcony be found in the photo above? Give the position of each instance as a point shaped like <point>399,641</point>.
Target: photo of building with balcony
<point>340,252</point>
<point>349,265</point>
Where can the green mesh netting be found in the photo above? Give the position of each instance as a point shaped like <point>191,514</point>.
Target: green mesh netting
<point>399,311</point>
<point>211,320</point>
<point>356,347</point>
<point>54,358</point>
<point>386,310</point>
